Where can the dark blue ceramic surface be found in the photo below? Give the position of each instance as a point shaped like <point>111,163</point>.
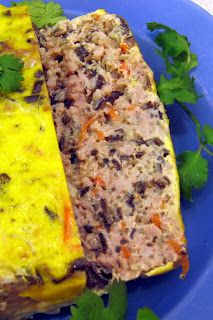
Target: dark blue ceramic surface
<point>169,297</point>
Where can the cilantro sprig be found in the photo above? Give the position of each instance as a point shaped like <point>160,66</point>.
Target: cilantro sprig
<point>43,14</point>
<point>90,306</point>
<point>178,86</point>
<point>10,73</point>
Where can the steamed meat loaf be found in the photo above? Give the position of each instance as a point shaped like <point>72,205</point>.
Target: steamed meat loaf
<point>117,152</point>
<point>39,240</point>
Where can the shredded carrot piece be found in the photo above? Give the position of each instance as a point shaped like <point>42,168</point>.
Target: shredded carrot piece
<point>96,16</point>
<point>113,113</point>
<point>95,191</point>
<point>85,128</point>
<point>123,225</point>
<point>155,219</point>
<point>126,252</point>
<point>185,265</point>
<point>99,181</point>
<point>163,205</point>
<point>100,135</point>
<point>67,223</point>
<point>99,226</point>
<point>184,260</point>
<point>131,107</point>
<point>124,67</point>
<point>183,238</point>
<point>124,47</point>
<point>175,246</point>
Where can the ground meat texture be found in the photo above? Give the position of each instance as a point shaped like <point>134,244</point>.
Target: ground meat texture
<point>114,140</point>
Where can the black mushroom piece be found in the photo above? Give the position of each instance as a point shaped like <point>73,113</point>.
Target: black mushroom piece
<point>150,105</point>
<point>68,103</point>
<point>88,228</point>
<point>81,52</point>
<point>116,164</point>
<point>162,183</point>
<point>37,87</point>
<point>62,143</point>
<point>39,74</point>
<point>165,153</point>
<point>32,98</point>
<point>73,157</point>
<point>117,136</point>
<point>90,73</point>
<point>111,99</point>
<point>84,190</point>
<point>130,201</point>
<point>51,214</point>
<point>7,13</point>
<point>100,82</point>
<point>158,142</point>
<point>103,242</point>
<point>65,119</point>
<point>140,187</point>
<point>59,58</point>
<point>98,276</point>
<point>139,154</point>
<point>104,214</point>
<point>124,25</point>
<point>4,178</point>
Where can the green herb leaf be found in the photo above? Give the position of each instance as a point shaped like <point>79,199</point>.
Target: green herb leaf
<point>117,302</point>
<point>193,172</point>
<point>178,88</point>
<point>208,134</point>
<point>10,73</point>
<point>90,306</point>
<point>146,314</point>
<point>175,48</point>
<point>43,14</point>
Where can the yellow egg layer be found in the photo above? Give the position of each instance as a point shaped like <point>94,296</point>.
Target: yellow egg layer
<point>38,232</point>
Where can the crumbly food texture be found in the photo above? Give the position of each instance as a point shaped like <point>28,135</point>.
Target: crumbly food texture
<point>114,138</point>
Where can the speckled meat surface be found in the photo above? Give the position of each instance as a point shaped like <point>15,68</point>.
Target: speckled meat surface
<point>115,143</point>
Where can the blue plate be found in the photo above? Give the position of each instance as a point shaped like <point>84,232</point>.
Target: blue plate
<point>169,297</point>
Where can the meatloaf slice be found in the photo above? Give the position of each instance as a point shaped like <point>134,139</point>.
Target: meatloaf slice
<point>114,138</point>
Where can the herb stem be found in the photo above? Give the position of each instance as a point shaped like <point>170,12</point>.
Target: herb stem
<point>207,150</point>
<point>194,119</point>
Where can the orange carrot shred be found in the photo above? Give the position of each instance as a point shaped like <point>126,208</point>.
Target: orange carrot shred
<point>124,67</point>
<point>99,181</point>
<point>124,47</point>
<point>163,205</point>
<point>184,260</point>
<point>67,223</point>
<point>185,265</point>
<point>113,113</point>
<point>126,252</point>
<point>175,246</point>
<point>100,135</point>
<point>155,219</point>
<point>131,107</point>
<point>85,128</point>
<point>123,225</point>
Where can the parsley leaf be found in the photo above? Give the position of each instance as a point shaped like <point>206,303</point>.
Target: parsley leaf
<point>43,14</point>
<point>10,73</point>
<point>90,306</point>
<point>208,134</point>
<point>175,49</point>
<point>179,61</point>
<point>146,314</point>
<point>193,172</point>
<point>178,88</point>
